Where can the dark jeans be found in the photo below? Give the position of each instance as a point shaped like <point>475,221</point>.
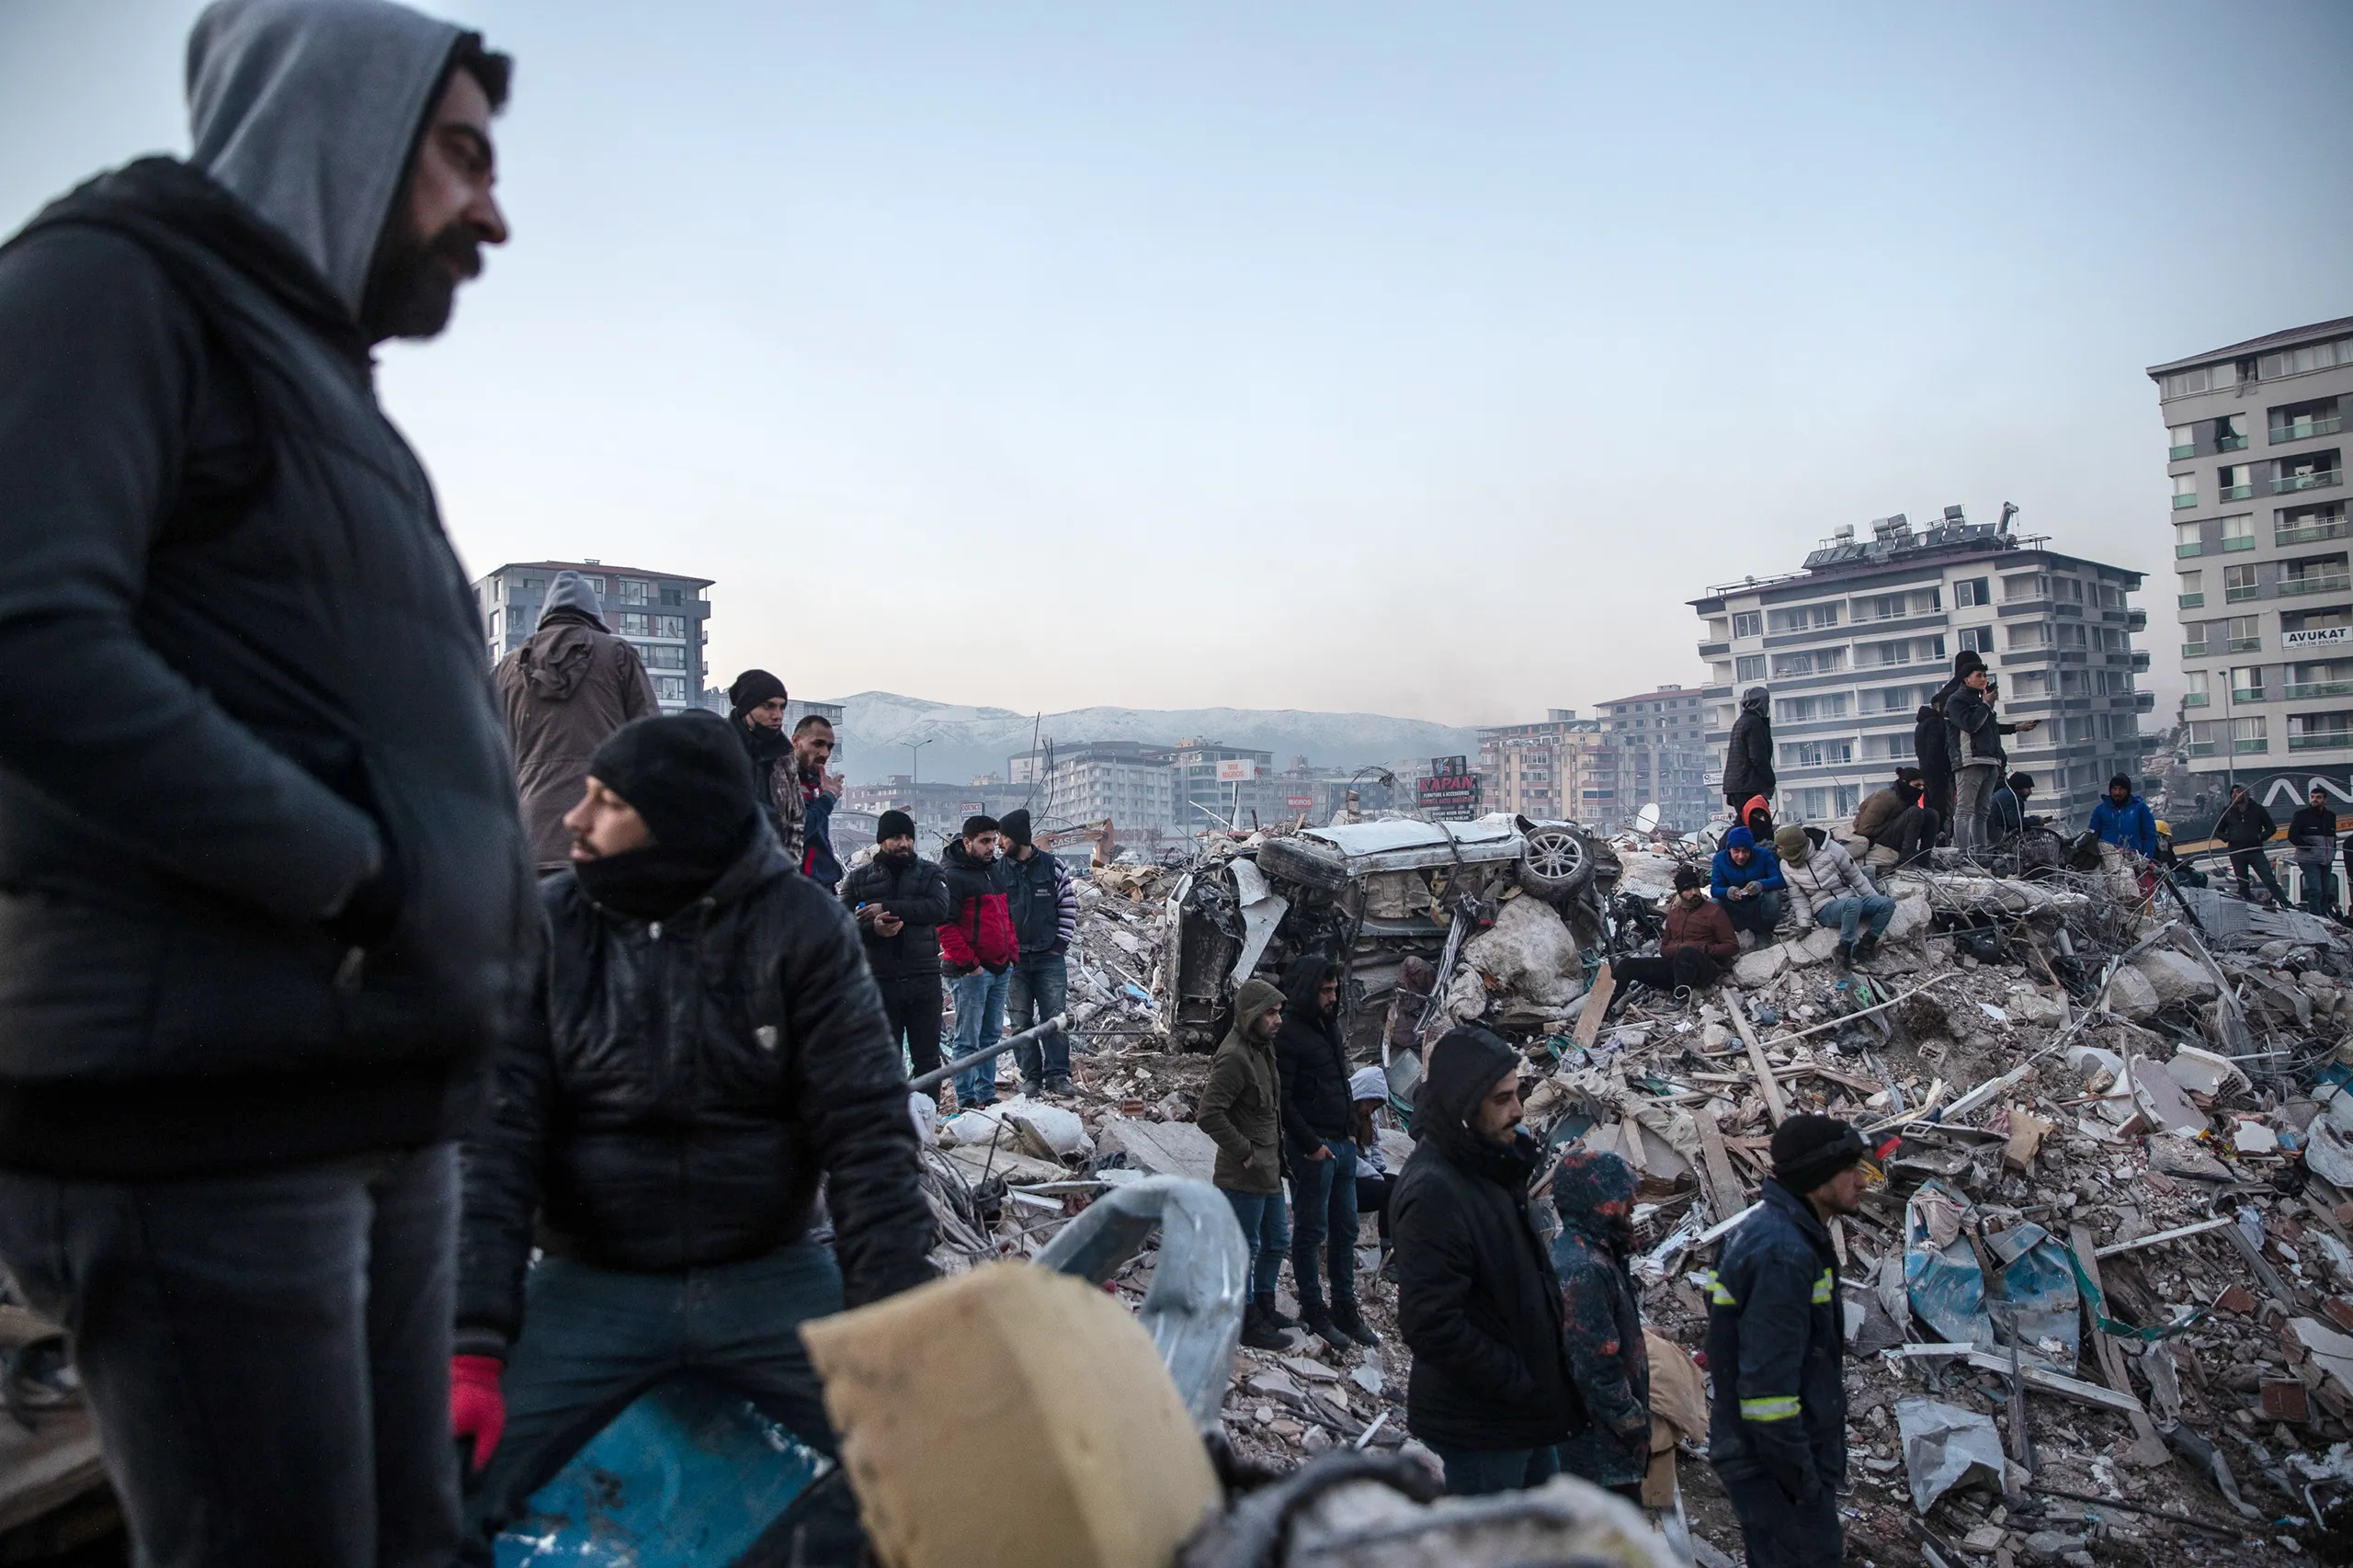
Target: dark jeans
<point>1688,968</point>
<point>1759,914</point>
<point>594,1339</point>
<point>2255,860</point>
<point>1267,1230</point>
<point>2319,889</point>
<point>1937,797</point>
<point>1372,1195</point>
<point>1782,1534</point>
<point>1037,987</point>
<point>911,1003</point>
<point>1323,1214</point>
<point>1479,1472</point>
<point>267,1355</point>
<point>1912,832</point>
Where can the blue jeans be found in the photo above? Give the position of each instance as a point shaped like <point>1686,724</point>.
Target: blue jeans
<point>1324,1210</point>
<point>1040,985</point>
<point>1849,912</point>
<point>594,1339</point>
<point>1760,912</point>
<point>980,1023</point>
<point>1480,1473</point>
<point>1267,1230</point>
<point>267,1355</point>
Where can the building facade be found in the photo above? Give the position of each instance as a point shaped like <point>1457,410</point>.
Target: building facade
<point>664,616</point>
<point>1660,740</point>
<point>1563,767</point>
<point>1131,783</point>
<point>1207,793</point>
<point>1851,646</point>
<point>2255,461</point>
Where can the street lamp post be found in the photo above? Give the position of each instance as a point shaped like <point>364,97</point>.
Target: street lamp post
<point>914,758</point>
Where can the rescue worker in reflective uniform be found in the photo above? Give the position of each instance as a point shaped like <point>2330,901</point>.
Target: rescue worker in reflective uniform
<point>1777,1425</point>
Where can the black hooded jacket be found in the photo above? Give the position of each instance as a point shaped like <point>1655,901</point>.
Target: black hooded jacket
<point>1748,759</point>
<point>1477,1299</point>
<point>1313,1063</point>
<point>680,1086</point>
<point>264,894</point>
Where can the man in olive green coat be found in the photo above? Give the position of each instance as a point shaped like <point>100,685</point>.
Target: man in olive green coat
<point>1241,1109</point>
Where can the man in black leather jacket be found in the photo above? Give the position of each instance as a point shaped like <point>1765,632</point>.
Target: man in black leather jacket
<point>899,899</point>
<point>706,1044</point>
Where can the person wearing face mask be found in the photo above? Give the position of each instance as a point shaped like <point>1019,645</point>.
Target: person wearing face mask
<point>1594,1195</point>
<point>899,901</point>
<point>756,702</point>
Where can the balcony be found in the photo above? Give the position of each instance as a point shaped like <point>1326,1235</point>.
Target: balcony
<point>2136,620</point>
<point>2140,661</point>
<point>2238,542</point>
<point>2145,702</point>
<point>2295,689</point>
<point>2230,443</point>
<point>2255,694</point>
<point>2316,582</point>
<point>2311,532</point>
<point>2184,503</point>
<point>2176,454</point>
<point>2243,747</point>
<point>2320,479</point>
<point>2181,601</point>
<point>2322,739</point>
<point>2242,645</point>
<point>2194,650</point>
<point>2201,748</point>
<point>2184,552</point>
<point>2300,430</point>
<point>2190,700</point>
<point>2238,493</point>
<point>2244,591</point>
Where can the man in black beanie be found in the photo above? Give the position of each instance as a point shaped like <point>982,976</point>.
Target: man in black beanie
<point>1045,920</point>
<point>1478,1303</point>
<point>898,900</point>
<point>755,709</point>
<point>1777,1427</point>
<point>704,1046</point>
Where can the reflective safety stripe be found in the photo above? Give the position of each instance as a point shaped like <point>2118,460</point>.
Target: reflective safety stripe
<point>1823,1287</point>
<point>1781,1407</point>
<point>1717,1293</point>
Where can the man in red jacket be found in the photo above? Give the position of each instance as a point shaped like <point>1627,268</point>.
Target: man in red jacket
<point>978,947</point>
<point>1699,941</point>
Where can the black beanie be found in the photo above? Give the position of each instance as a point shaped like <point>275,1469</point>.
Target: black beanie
<point>893,824</point>
<point>1015,825</point>
<point>685,774</point>
<point>1967,659</point>
<point>1688,876</point>
<point>751,689</point>
<point>1808,1150</point>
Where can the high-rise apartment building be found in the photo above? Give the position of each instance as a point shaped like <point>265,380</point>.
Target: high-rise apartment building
<point>1661,740</point>
<point>662,615</point>
<point>1133,784</point>
<point>2256,461</point>
<point>1561,768</point>
<point>1851,647</point>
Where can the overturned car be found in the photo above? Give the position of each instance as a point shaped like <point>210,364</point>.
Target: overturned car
<point>1395,901</point>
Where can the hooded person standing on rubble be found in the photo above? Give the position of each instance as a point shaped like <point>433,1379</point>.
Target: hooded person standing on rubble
<point>2245,827</point>
<point>1593,1193</point>
<point>565,691</point>
<point>1777,1432</point>
<point>1932,745</point>
<point>265,896</point>
<point>1477,1301</point>
<point>1319,1125</point>
<point>1241,1111</point>
<point>1974,737</point>
<point>704,1046</point>
<point>1748,758</point>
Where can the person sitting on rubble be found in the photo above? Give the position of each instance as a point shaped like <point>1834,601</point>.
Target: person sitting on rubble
<point>1601,1315</point>
<point>2005,815</point>
<point>1241,1111</point>
<point>899,901</point>
<point>1745,881</point>
<point>1698,945</point>
<point>1896,821</point>
<point>1825,878</point>
<point>1369,1100</point>
<point>1319,1150</point>
<point>705,1045</point>
<point>1748,758</point>
<point>2245,827</point>
<point>2124,819</point>
<point>1776,1347</point>
<point>1757,816</point>
<point>2312,832</point>
<point>2183,873</point>
<point>1477,1301</point>
<point>979,946</point>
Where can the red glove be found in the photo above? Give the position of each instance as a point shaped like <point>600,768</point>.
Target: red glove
<point>477,1409</point>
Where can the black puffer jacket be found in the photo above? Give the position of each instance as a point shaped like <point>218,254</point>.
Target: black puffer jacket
<point>917,894</point>
<point>1477,1299</point>
<point>1311,1061</point>
<point>682,1087</point>
<point>1748,759</point>
<point>244,672</point>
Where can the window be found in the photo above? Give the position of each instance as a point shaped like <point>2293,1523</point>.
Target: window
<point>2206,377</point>
<point>2250,734</point>
<point>2186,543</point>
<point>2071,589</point>
<point>1973,591</point>
<point>2198,695</point>
<point>2236,482</point>
<point>493,626</point>
<point>1747,623</point>
<point>1749,666</point>
<point>2246,683</point>
<point>671,594</point>
<point>1820,661</point>
<point>1803,618</point>
<point>2031,683</point>
<point>669,626</point>
<point>636,591</point>
<point>2072,635</point>
<point>2184,490</point>
<point>2181,442</point>
<point>1977,638</point>
<point>2238,533</point>
<point>633,623</point>
<point>2230,433</point>
<point>1817,753</point>
<point>2238,583</point>
<point>2193,591</point>
<point>2030,635</point>
<point>1882,607</point>
<point>670,688</point>
<point>1800,709</point>
<point>2300,361</point>
<point>2243,633</point>
<point>664,656</point>
<point>598,584</point>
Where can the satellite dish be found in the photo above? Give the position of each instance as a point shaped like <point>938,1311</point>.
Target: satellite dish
<point>1646,820</point>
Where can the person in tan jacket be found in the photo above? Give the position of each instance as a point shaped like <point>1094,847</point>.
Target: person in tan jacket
<point>564,692</point>
<point>1241,1109</point>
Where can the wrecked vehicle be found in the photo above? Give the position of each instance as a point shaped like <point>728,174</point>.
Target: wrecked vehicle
<point>1396,900</point>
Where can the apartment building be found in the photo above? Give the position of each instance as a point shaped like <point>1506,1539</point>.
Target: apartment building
<point>2255,459</point>
<point>938,807</point>
<point>1660,740</point>
<point>1213,779</point>
<point>664,616</point>
<point>1133,783</point>
<point>1853,643</point>
<point>1561,768</point>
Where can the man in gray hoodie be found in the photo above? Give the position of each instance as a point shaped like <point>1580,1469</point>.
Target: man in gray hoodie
<point>265,896</point>
<point>565,692</point>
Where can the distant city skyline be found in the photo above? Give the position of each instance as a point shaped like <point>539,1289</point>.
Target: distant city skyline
<point>1413,360</point>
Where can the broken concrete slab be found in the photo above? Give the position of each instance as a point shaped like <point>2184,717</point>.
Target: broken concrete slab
<point>1163,1147</point>
<point>2175,976</point>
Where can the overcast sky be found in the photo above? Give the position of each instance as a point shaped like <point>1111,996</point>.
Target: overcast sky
<point>1421,360</point>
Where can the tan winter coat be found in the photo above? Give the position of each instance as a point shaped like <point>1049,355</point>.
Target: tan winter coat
<point>563,693</point>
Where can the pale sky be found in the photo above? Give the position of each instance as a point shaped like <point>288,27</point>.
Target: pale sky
<point>1412,359</point>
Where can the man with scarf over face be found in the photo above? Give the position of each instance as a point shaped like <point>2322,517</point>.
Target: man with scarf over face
<point>1594,1195</point>
<point>706,1044</point>
<point>755,709</point>
<point>1319,1128</point>
<point>1477,1299</point>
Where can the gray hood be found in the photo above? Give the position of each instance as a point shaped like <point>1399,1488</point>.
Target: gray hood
<point>307,109</point>
<point>1756,700</point>
<point>573,592</point>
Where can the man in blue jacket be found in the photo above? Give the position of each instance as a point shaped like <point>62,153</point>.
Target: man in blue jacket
<point>1045,918</point>
<point>2124,819</point>
<point>1746,880</point>
<point>1777,1417</point>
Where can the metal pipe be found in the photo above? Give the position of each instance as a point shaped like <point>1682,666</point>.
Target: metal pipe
<point>940,1075</point>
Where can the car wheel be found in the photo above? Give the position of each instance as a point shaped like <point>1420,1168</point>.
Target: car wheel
<point>1557,862</point>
